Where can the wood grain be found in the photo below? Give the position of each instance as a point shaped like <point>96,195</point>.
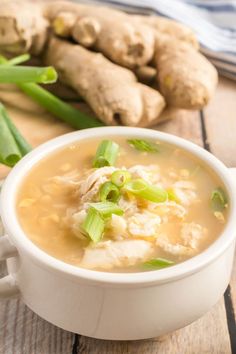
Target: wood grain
<point>198,338</point>
<point>220,119</point>
<point>23,332</point>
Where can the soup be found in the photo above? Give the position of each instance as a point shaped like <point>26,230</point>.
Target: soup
<point>122,205</point>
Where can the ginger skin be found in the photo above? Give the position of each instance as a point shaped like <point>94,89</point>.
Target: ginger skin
<point>109,31</point>
<point>186,78</point>
<point>111,91</point>
<point>22,28</point>
<point>162,25</point>
<point>64,23</point>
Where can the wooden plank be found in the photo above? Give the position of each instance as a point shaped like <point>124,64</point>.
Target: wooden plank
<point>23,332</point>
<point>187,126</point>
<point>220,119</point>
<point>207,335</point>
<point>233,288</point>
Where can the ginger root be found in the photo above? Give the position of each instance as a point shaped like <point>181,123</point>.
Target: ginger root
<point>109,31</point>
<point>169,27</point>
<point>186,78</point>
<point>22,27</point>
<point>111,91</point>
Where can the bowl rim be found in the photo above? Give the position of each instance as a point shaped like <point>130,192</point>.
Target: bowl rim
<point>25,245</point>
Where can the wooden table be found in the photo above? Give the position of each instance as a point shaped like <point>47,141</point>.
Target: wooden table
<point>23,332</point>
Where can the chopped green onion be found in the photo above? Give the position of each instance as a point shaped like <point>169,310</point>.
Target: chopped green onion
<point>23,74</point>
<point>218,199</point>
<point>106,209</point>
<point>109,192</point>
<point>172,196</point>
<point>106,154</point>
<point>158,263</point>
<point>94,225</point>
<point>19,59</point>
<point>9,151</point>
<point>22,144</point>
<point>147,191</point>
<point>143,145</point>
<point>60,109</point>
<point>119,178</point>
<point>14,61</point>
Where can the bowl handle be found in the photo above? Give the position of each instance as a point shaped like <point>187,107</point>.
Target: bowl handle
<point>8,286</point>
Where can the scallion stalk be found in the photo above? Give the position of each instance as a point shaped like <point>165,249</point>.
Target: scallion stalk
<point>119,178</point>
<point>94,225</point>
<point>23,145</point>
<point>14,61</point>
<point>143,145</point>
<point>9,150</point>
<point>158,263</point>
<point>54,105</point>
<point>13,146</point>
<point>142,189</point>
<point>172,195</point>
<point>106,209</point>
<point>218,199</point>
<point>109,192</point>
<point>60,109</point>
<point>25,74</point>
<point>19,59</point>
<point>106,154</point>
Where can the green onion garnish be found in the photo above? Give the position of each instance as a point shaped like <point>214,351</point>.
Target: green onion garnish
<point>23,74</point>
<point>143,145</point>
<point>109,192</point>
<point>158,263</point>
<point>106,209</point>
<point>106,154</point>
<point>147,191</point>
<point>218,199</point>
<point>16,60</point>
<point>9,151</point>
<point>119,178</point>
<point>94,225</point>
<point>12,144</point>
<point>172,196</point>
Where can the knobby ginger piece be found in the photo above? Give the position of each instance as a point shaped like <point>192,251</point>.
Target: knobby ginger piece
<point>169,27</point>
<point>186,78</point>
<point>112,91</point>
<point>86,31</point>
<point>146,74</point>
<point>64,23</point>
<point>109,31</point>
<point>22,27</point>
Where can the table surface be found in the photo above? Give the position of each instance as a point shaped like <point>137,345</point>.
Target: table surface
<point>23,332</point>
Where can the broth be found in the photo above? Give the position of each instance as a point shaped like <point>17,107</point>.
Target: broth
<point>54,198</point>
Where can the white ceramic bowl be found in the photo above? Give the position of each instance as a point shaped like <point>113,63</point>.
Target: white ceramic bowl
<point>110,305</point>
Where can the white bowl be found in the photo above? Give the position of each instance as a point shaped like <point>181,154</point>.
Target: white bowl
<point>122,306</point>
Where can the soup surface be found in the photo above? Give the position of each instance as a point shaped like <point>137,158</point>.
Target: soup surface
<point>121,205</point>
